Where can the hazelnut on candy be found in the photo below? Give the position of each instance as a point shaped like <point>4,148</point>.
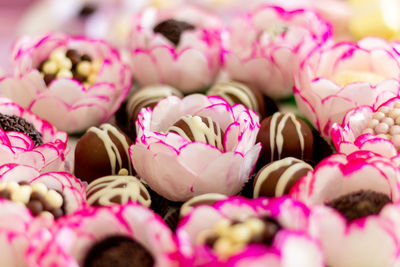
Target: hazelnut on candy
<point>70,64</point>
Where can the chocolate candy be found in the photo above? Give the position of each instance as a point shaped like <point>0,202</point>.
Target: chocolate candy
<point>385,123</point>
<point>284,135</point>
<point>102,151</point>
<point>205,199</point>
<point>118,251</point>
<point>239,93</point>
<point>117,189</point>
<point>201,129</point>
<point>230,237</point>
<point>70,64</point>
<point>276,178</point>
<point>18,124</point>
<point>359,204</point>
<point>147,97</point>
<point>173,29</point>
<point>36,197</point>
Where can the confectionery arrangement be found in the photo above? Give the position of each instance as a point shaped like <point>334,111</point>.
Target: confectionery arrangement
<point>188,133</point>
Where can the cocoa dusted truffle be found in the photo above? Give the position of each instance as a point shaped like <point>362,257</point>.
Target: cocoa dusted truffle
<point>172,29</point>
<point>239,93</point>
<point>36,197</point>
<point>147,97</point>
<point>117,189</point>
<point>17,124</point>
<point>284,135</point>
<point>202,129</point>
<point>359,204</point>
<point>277,178</point>
<point>118,251</point>
<point>102,151</point>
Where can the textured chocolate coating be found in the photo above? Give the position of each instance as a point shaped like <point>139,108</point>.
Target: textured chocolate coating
<point>102,151</point>
<point>239,93</point>
<point>117,189</point>
<point>118,251</point>
<point>18,124</point>
<point>201,129</point>
<point>277,178</point>
<point>359,204</point>
<point>284,135</point>
<point>173,29</point>
<point>205,199</point>
<point>147,97</point>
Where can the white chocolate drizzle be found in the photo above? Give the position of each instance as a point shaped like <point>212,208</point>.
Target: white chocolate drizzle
<point>276,136</point>
<point>128,188</point>
<point>201,131</point>
<point>239,90</point>
<point>197,200</point>
<point>111,148</point>
<point>294,165</point>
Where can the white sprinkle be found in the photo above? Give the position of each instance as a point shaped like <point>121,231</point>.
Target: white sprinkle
<point>39,188</point>
<point>64,73</point>
<point>372,123</point>
<point>368,131</point>
<point>381,128</point>
<point>21,194</point>
<point>395,129</point>
<point>397,104</point>
<point>58,56</point>
<point>83,68</point>
<point>47,214</point>
<point>50,67</point>
<point>12,186</point>
<point>384,136</point>
<point>240,233</point>
<point>92,78</point>
<point>396,141</point>
<point>394,113</point>
<point>389,121</point>
<point>65,64</point>
<point>54,199</point>
<point>379,115</point>
<point>384,109</point>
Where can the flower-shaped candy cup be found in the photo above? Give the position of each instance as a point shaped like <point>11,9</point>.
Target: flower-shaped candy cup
<point>82,79</point>
<point>43,147</point>
<point>262,43</point>
<point>369,128</point>
<point>229,235</point>
<point>333,80</point>
<point>179,47</point>
<point>358,188</point>
<point>178,168</point>
<point>77,235</point>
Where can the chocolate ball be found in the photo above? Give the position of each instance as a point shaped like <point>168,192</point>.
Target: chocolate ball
<point>200,129</point>
<point>18,124</point>
<point>172,29</point>
<point>117,189</point>
<point>147,97</point>
<point>205,199</point>
<point>284,135</point>
<point>239,93</point>
<point>118,251</point>
<point>277,178</point>
<point>102,151</point>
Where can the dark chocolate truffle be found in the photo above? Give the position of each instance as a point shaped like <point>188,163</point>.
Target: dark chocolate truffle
<point>117,189</point>
<point>205,199</point>
<point>172,29</point>
<point>239,93</point>
<point>359,204</point>
<point>118,251</point>
<point>276,178</point>
<point>147,97</point>
<point>201,129</point>
<point>17,124</point>
<point>36,197</point>
<point>102,151</point>
<point>284,135</point>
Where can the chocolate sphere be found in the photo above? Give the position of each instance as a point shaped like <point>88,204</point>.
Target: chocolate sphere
<point>18,124</point>
<point>284,135</point>
<point>277,178</point>
<point>117,189</point>
<point>201,129</point>
<point>102,151</point>
<point>239,93</point>
<point>118,251</point>
<point>172,29</point>
<point>147,97</point>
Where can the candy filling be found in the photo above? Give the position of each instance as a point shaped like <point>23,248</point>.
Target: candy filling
<point>36,197</point>
<point>173,29</point>
<point>359,204</point>
<point>385,123</point>
<point>14,123</point>
<point>70,64</point>
<point>228,238</point>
